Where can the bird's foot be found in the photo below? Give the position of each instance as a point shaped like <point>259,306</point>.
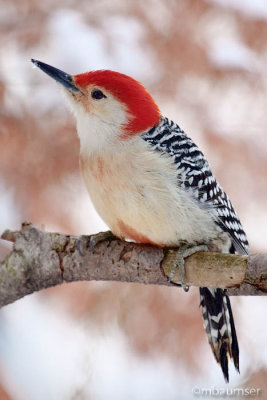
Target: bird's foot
<point>93,241</point>
<point>99,237</point>
<point>184,252</point>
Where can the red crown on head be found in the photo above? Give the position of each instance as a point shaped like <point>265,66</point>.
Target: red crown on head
<point>140,105</point>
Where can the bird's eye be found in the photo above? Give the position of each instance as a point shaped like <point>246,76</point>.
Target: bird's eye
<point>97,94</point>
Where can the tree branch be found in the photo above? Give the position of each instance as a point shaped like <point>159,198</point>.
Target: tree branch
<point>42,259</point>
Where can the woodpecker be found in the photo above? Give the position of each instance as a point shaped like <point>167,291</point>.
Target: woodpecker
<point>150,183</point>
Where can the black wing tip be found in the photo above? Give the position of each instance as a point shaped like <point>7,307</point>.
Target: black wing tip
<point>234,346</point>
<point>224,362</point>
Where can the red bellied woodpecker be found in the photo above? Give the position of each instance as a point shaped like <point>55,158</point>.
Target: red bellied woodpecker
<point>150,183</point>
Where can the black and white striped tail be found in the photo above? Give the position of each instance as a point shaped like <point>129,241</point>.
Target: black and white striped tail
<point>219,326</point>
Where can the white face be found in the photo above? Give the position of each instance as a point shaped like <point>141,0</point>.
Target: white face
<point>99,119</point>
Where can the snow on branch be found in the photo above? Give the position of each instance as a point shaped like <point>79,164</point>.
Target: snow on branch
<point>43,259</point>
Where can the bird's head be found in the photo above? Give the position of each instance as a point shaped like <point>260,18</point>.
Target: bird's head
<point>106,103</point>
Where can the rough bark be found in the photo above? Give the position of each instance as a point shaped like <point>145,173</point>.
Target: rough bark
<point>43,259</point>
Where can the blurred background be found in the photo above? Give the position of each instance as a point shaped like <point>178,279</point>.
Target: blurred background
<point>205,64</point>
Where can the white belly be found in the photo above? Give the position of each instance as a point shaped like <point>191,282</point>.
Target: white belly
<point>135,192</point>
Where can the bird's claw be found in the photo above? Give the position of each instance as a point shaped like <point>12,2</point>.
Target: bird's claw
<point>182,253</point>
<point>78,247</point>
<point>99,237</point>
<point>93,241</point>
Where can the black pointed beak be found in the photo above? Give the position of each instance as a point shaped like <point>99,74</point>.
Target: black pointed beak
<point>60,76</point>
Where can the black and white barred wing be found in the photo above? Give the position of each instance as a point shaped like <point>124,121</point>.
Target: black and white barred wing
<point>194,174</point>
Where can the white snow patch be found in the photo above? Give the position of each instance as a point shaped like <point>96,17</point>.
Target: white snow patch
<point>40,350</point>
<point>47,355</point>
<point>252,331</point>
<point>116,45</point>
<point>231,55</point>
<point>255,221</point>
<point>224,43</point>
<point>233,107</point>
<point>253,9</point>
<point>71,44</point>
<point>9,213</point>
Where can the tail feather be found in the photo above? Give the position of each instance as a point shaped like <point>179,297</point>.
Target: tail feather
<point>235,348</point>
<point>219,326</point>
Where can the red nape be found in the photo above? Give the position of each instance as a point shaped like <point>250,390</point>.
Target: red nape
<point>141,106</point>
